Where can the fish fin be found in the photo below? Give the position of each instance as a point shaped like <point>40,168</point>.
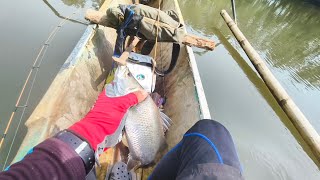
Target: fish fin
<point>124,139</point>
<point>166,121</point>
<point>153,163</point>
<point>133,164</point>
<point>110,76</point>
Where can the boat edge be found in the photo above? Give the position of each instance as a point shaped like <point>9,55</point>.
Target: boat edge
<point>204,108</point>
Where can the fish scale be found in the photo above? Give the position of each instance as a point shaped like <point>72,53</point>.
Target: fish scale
<point>144,127</point>
<point>144,133</point>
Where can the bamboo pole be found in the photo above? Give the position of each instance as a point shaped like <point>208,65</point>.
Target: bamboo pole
<point>308,133</point>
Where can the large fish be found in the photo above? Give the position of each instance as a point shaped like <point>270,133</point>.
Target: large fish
<point>144,133</point>
<point>144,127</point>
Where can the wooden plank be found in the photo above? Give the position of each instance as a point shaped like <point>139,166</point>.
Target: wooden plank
<point>98,17</point>
<point>192,40</point>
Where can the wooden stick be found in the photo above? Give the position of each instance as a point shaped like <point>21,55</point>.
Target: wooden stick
<point>190,40</point>
<point>308,133</point>
<point>122,60</point>
<point>96,17</point>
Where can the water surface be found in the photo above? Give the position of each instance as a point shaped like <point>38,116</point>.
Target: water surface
<point>25,26</point>
<point>286,34</point>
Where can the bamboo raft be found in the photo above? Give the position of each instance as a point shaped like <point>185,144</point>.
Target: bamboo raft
<point>82,77</point>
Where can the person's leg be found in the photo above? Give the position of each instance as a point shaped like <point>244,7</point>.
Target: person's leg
<point>169,165</point>
<point>206,142</point>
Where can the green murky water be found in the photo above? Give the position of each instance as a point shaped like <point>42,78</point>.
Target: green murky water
<point>287,36</point>
<point>25,26</point>
<point>285,33</point>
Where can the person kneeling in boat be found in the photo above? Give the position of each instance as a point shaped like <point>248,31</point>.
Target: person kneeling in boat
<point>205,152</point>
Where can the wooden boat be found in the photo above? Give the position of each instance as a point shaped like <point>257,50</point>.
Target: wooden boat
<point>81,78</point>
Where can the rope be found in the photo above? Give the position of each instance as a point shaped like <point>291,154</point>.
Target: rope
<point>38,62</point>
<point>156,44</point>
<point>155,54</point>
<point>157,31</point>
<point>163,77</point>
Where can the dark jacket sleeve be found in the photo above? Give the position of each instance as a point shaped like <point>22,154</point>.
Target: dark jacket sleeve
<point>51,159</point>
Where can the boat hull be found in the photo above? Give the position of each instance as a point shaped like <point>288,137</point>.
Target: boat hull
<point>81,78</point>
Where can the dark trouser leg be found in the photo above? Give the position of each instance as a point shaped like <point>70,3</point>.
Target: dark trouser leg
<point>206,142</point>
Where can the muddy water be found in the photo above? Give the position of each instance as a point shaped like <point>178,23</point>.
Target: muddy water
<point>287,36</point>
<point>25,26</point>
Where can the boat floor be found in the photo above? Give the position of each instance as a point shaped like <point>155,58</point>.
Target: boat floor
<point>182,105</point>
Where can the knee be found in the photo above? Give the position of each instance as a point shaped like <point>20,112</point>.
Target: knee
<point>209,125</point>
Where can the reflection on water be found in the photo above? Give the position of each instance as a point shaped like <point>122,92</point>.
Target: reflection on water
<point>81,3</point>
<point>286,34</point>
<point>289,36</point>
<point>56,12</point>
<point>64,8</point>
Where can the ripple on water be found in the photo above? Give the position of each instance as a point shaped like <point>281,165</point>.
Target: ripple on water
<point>270,163</point>
<point>280,162</point>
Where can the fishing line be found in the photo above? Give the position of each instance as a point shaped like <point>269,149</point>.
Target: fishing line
<point>163,77</point>
<point>26,104</point>
<point>35,67</point>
